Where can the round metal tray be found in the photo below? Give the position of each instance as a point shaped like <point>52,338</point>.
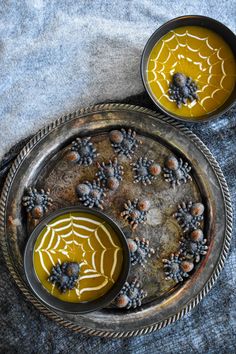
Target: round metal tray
<point>42,163</point>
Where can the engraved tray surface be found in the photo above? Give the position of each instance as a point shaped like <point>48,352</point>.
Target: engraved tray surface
<point>42,163</point>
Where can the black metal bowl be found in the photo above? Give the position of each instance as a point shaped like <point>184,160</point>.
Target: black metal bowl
<point>70,307</point>
<point>189,20</point>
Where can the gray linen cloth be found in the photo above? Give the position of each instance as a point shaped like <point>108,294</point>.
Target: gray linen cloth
<point>58,56</point>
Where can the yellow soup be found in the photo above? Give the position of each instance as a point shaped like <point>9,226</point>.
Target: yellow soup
<point>84,238</point>
<point>198,53</point>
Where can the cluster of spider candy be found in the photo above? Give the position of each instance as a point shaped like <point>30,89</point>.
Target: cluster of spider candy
<point>82,151</point>
<point>91,194</point>
<point>136,212</point>
<point>65,275</point>
<point>145,170</point>
<point>36,202</point>
<point>110,174</point>
<point>124,142</point>
<point>192,244</point>
<point>176,171</point>
<point>181,89</point>
<point>131,295</point>
<point>140,250</point>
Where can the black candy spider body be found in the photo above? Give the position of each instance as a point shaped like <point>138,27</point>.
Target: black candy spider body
<point>65,275</point>
<point>182,89</point>
<point>131,295</point>
<point>110,174</point>
<point>145,170</point>
<point>124,142</point>
<point>177,268</point>
<point>194,246</point>
<point>136,212</point>
<point>189,215</point>
<point>176,171</point>
<point>82,151</point>
<point>140,250</point>
<point>91,194</point>
<point>36,202</point>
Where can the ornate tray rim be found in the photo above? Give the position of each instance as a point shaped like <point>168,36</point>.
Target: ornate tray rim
<point>227,237</point>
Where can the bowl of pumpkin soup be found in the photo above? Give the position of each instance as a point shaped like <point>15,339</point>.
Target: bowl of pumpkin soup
<point>188,68</point>
<point>77,260</point>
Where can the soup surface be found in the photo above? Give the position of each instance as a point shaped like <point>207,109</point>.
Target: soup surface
<point>198,53</point>
<point>84,238</point>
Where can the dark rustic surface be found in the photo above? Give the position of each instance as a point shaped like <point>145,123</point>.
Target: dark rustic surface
<point>210,328</point>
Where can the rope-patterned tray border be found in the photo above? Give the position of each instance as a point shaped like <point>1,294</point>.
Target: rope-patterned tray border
<point>229,217</point>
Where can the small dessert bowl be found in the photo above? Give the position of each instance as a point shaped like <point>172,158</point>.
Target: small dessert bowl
<point>190,20</point>
<point>62,305</point>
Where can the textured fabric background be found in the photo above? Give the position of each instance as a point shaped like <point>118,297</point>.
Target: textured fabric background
<point>57,56</point>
